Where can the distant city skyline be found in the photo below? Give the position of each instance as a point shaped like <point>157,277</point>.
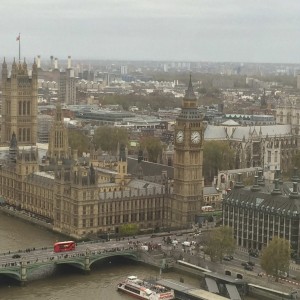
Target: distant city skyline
<point>170,30</point>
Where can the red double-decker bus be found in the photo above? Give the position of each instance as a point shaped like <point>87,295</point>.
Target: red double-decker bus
<point>64,246</point>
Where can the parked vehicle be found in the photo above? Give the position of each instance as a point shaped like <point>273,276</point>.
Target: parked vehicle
<point>228,257</point>
<point>253,252</point>
<point>186,243</point>
<point>248,267</point>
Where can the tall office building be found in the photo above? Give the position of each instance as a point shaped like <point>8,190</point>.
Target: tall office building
<point>124,70</point>
<point>298,81</point>
<point>70,96</point>
<point>19,104</point>
<point>66,84</point>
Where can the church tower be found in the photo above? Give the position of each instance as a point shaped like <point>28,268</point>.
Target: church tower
<point>58,142</point>
<point>188,160</point>
<point>19,104</point>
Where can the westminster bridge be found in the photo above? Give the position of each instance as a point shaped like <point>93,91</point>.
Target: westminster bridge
<point>21,264</point>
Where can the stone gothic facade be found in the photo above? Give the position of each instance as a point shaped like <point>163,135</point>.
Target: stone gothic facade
<point>92,196</point>
<point>19,104</point>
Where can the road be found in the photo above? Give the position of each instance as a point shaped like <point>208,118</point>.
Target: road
<point>175,251</point>
<point>32,255</point>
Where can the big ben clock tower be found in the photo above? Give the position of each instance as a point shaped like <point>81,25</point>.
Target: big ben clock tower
<point>187,195</point>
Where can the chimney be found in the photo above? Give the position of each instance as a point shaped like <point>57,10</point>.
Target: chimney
<point>276,190</point>
<point>255,187</point>
<point>239,183</point>
<point>294,194</point>
<point>38,61</point>
<point>51,61</point>
<point>69,62</point>
<point>55,63</point>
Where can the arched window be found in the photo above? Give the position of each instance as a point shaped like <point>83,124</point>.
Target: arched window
<point>28,108</point>
<point>28,135</point>
<point>24,108</point>
<point>24,135</point>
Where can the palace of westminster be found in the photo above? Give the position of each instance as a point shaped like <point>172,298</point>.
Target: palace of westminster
<point>86,197</point>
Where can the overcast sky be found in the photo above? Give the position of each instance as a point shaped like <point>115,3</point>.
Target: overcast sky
<point>181,30</point>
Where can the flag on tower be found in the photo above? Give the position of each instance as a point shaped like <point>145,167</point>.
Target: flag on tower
<point>18,37</point>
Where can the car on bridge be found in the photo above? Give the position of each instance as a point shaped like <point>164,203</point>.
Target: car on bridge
<point>248,267</point>
<point>228,258</point>
<point>186,243</point>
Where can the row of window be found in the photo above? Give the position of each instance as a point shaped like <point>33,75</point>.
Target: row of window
<point>110,220</point>
<point>24,108</point>
<point>24,135</point>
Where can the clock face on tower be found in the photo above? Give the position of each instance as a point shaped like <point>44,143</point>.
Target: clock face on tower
<point>179,136</point>
<point>195,137</point>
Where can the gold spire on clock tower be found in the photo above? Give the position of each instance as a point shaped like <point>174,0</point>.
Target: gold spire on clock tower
<point>188,162</point>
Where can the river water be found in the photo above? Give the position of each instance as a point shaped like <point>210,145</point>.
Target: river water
<point>69,284</point>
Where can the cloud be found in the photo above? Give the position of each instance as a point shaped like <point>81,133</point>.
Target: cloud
<point>154,29</point>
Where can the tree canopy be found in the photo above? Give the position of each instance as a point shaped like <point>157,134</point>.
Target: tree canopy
<point>153,146</point>
<point>219,243</point>
<point>78,140</point>
<point>217,155</point>
<point>275,258</point>
<point>108,138</point>
<point>129,229</point>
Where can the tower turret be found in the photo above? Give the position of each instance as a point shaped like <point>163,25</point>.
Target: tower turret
<point>24,67</point>
<point>58,143</point>
<point>34,70</point>
<point>19,105</point>
<point>4,69</point>
<point>14,68</point>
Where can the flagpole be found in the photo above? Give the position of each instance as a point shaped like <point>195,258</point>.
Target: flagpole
<point>19,48</point>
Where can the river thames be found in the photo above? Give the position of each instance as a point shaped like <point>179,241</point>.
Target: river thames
<point>61,284</point>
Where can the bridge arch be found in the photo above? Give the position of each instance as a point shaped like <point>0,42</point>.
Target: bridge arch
<point>11,274</point>
<point>79,264</point>
<point>96,258</point>
<point>82,262</point>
